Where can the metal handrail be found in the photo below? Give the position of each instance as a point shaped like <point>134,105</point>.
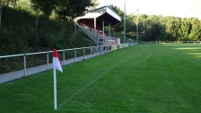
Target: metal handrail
<point>24,55</point>
<point>37,53</point>
<point>91,52</point>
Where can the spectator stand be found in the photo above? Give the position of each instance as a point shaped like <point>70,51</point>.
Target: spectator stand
<point>93,23</point>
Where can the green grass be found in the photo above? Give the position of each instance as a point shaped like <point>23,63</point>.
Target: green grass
<point>148,78</point>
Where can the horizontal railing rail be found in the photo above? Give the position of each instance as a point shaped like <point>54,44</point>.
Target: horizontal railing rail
<point>21,65</point>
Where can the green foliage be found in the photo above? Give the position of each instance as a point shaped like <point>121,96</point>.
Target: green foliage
<point>47,6</point>
<point>196,29</point>
<point>65,9</point>
<point>159,28</point>
<point>152,28</point>
<point>69,9</point>
<point>50,33</point>
<point>119,27</point>
<point>18,33</point>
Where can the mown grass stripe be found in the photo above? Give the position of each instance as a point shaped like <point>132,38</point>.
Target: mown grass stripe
<point>153,78</point>
<point>90,83</point>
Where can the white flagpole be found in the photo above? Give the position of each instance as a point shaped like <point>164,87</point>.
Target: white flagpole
<point>55,88</point>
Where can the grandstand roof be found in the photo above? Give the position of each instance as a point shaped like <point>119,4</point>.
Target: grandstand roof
<point>104,13</point>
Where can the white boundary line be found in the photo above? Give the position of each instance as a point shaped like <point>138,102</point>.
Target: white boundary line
<point>87,85</point>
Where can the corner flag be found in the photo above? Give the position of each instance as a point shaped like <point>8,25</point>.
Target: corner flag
<point>56,61</point>
<point>56,65</point>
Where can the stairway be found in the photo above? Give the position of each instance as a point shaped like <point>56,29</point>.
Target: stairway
<point>95,36</point>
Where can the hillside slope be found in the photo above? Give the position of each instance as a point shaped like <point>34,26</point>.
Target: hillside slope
<point>18,33</point>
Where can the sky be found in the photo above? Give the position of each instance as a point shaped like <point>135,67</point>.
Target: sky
<point>178,8</point>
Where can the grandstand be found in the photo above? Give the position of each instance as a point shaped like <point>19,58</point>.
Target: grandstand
<point>93,22</point>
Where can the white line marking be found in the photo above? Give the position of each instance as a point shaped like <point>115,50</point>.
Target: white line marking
<point>78,92</point>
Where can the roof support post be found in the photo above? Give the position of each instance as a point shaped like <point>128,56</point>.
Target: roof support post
<point>103,29</point>
<point>96,38</point>
<point>109,30</point>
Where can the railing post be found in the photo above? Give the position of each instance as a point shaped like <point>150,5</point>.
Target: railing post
<point>90,52</point>
<point>97,50</point>
<point>104,49</point>
<point>25,71</point>
<point>64,57</point>
<point>83,53</point>
<point>74,55</point>
<point>48,60</point>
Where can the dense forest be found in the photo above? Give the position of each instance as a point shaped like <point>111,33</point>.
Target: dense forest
<point>160,28</point>
<point>36,25</point>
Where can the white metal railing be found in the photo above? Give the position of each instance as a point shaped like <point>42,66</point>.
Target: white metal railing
<point>187,42</point>
<point>85,51</point>
<point>67,56</point>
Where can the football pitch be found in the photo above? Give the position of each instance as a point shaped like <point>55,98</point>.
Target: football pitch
<point>146,78</point>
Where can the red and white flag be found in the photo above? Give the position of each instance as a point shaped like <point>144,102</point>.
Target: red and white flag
<point>56,61</point>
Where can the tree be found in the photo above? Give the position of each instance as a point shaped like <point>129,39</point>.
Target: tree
<point>47,6</point>
<point>196,29</point>
<point>142,27</point>
<point>70,9</point>
<point>172,28</point>
<point>7,2</point>
<point>130,26</point>
<point>185,28</point>
<point>0,11</point>
<point>95,2</point>
<point>118,27</point>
